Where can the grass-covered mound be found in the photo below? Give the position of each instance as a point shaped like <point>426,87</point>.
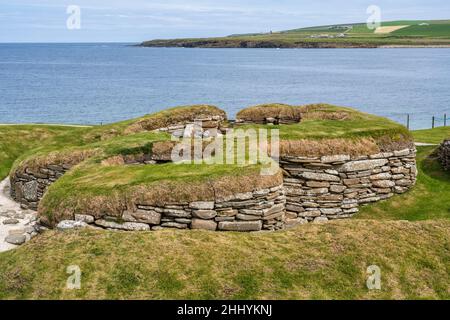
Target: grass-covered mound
<point>282,113</point>
<point>115,137</point>
<point>100,182</point>
<point>327,130</point>
<point>175,115</point>
<point>308,262</point>
<point>15,140</point>
<point>109,190</point>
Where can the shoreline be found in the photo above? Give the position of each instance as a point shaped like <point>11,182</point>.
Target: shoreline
<point>46,124</point>
<point>390,46</point>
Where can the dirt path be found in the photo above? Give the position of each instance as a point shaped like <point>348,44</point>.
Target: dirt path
<point>20,223</point>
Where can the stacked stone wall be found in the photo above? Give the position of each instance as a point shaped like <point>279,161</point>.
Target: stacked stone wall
<point>29,187</point>
<point>328,187</point>
<point>252,211</point>
<point>444,154</point>
<point>334,187</point>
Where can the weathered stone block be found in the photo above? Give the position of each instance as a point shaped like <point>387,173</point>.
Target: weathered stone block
<point>337,188</point>
<point>363,165</point>
<point>204,214</point>
<point>295,208</point>
<point>128,226</point>
<point>402,153</point>
<point>30,190</point>
<point>204,224</point>
<point>330,211</point>
<point>335,158</point>
<point>247,217</point>
<point>70,224</point>
<point>317,191</point>
<point>351,182</point>
<point>274,216</point>
<point>317,184</point>
<point>240,226</point>
<point>84,218</point>
<point>202,205</point>
<point>383,183</point>
<point>275,208</point>
<point>320,176</point>
<point>177,213</point>
<point>175,225</point>
<point>310,213</point>
<point>144,216</point>
<point>403,183</point>
<point>381,176</point>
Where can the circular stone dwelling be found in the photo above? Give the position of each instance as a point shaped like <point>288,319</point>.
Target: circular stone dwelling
<point>122,176</point>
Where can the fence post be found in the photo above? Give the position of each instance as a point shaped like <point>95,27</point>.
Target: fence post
<point>432,123</point>
<point>407,121</point>
<point>445,119</point>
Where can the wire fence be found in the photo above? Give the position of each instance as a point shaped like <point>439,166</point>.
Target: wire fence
<point>435,121</point>
<point>420,120</point>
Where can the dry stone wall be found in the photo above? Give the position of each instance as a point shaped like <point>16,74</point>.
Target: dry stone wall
<point>314,189</point>
<point>28,187</point>
<point>333,187</point>
<point>252,211</point>
<point>444,154</point>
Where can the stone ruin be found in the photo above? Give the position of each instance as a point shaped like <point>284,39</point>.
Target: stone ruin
<point>313,189</point>
<point>444,154</point>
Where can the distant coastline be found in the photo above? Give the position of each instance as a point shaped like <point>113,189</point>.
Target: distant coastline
<point>393,34</point>
<point>266,45</point>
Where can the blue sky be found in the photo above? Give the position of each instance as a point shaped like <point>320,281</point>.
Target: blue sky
<point>138,20</point>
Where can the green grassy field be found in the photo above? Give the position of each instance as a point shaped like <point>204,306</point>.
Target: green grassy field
<point>436,135</point>
<point>307,262</point>
<point>429,199</point>
<point>16,140</point>
<point>407,236</point>
<point>416,33</point>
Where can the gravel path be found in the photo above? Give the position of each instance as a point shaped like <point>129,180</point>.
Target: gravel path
<point>15,223</point>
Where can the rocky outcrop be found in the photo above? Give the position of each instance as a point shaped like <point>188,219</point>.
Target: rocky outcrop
<point>252,211</point>
<point>444,154</point>
<point>335,186</point>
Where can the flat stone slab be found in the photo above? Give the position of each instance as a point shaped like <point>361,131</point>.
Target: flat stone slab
<point>70,224</point>
<point>320,176</point>
<point>240,226</point>
<point>11,221</point>
<point>363,165</point>
<point>16,239</point>
<point>129,226</point>
<point>143,216</point>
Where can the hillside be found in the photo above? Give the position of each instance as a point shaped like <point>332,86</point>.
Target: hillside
<point>308,262</point>
<point>357,35</point>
